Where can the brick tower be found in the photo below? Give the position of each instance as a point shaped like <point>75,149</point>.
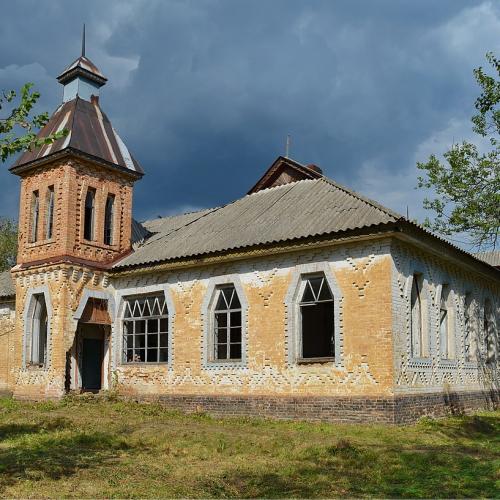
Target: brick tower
<point>75,220</point>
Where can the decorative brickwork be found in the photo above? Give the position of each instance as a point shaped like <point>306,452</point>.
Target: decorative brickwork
<point>71,179</point>
<point>433,373</point>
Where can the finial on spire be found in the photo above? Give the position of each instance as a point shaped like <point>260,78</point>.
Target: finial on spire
<point>287,147</point>
<point>83,41</point>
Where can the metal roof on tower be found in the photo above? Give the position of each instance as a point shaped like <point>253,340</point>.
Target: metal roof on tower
<point>90,133</point>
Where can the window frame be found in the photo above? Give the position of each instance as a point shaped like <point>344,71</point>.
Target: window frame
<point>34,216</point>
<point>488,332</point>
<point>292,319</point>
<point>227,312</point>
<point>123,319</point>
<point>29,305</point>
<point>469,330</point>
<point>208,322</point>
<point>300,359</point>
<point>90,191</point>
<point>109,222</point>
<point>49,212</point>
<point>446,299</point>
<point>423,356</point>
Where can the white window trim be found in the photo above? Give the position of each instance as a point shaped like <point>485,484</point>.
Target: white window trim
<point>29,303</point>
<point>292,302</point>
<point>424,361</point>
<point>453,332</point>
<point>207,313</point>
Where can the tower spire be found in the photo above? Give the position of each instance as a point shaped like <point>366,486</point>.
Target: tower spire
<point>83,41</point>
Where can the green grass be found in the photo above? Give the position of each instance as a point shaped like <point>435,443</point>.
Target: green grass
<point>88,447</point>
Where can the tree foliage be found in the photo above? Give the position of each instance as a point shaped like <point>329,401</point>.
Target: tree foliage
<point>18,130</point>
<point>467,182</point>
<point>8,243</point>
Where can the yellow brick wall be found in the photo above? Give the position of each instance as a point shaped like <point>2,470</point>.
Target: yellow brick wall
<point>366,366</point>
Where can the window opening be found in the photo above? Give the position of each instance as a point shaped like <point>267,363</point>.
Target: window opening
<point>317,319</point>
<point>39,323</point>
<point>145,330</point>
<point>35,209</point>
<point>416,332</point>
<point>108,219</point>
<point>444,324</point>
<point>49,223</point>
<point>227,325</point>
<point>88,229</point>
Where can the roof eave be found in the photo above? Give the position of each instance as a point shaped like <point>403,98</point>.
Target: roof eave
<point>69,151</point>
<point>418,236</point>
<point>78,70</point>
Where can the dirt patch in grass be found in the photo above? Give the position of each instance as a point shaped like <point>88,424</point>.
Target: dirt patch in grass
<point>87,447</point>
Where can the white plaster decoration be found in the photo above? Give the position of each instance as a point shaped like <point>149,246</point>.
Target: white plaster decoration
<point>28,311</point>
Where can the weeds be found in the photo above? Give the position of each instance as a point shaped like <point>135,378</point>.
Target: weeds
<point>90,446</point>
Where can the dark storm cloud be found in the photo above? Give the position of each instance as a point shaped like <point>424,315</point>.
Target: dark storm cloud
<point>204,92</point>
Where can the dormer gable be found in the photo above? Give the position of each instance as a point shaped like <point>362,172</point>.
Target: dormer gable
<point>284,171</point>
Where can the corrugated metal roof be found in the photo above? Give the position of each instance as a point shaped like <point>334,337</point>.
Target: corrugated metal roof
<point>90,132</point>
<point>301,209</point>
<point>139,233</point>
<point>7,288</point>
<point>492,258</point>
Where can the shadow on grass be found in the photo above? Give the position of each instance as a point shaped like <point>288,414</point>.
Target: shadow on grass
<point>35,455</point>
<point>12,431</point>
<point>466,469</point>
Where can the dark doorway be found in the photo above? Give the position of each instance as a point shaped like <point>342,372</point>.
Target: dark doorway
<point>92,354</point>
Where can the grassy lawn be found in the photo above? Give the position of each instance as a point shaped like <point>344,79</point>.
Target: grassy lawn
<point>83,447</point>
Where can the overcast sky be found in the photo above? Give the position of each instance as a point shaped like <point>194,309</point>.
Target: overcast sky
<point>205,92</point>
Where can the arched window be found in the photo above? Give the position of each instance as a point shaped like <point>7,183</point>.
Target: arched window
<point>417,323</point>
<point>39,322</point>
<point>108,219</point>
<point>49,219</point>
<point>446,341</point>
<point>145,329</point>
<point>88,227</point>
<point>35,210</point>
<point>317,319</point>
<point>468,328</point>
<point>488,331</point>
<point>227,337</point>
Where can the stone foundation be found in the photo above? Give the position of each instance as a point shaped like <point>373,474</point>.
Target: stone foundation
<point>395,410</point>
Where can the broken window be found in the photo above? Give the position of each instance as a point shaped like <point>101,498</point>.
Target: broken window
<point>35,209</point>
<point>49,219</point>
<point>445,330</point>
<point>227,325</point>
<point>39,323</point>
<point>145,329</point>
<point>416,322</point>
<point>108,219</point>
<point>88,225</point>
<point>317,319</point>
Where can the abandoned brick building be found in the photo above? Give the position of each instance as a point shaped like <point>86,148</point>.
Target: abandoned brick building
<point>302,299</point>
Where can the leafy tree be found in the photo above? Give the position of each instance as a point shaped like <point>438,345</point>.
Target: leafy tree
<point>18,120</point>
<point>18,133</point>
<point>467,183</point>
<point>8,243</point>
